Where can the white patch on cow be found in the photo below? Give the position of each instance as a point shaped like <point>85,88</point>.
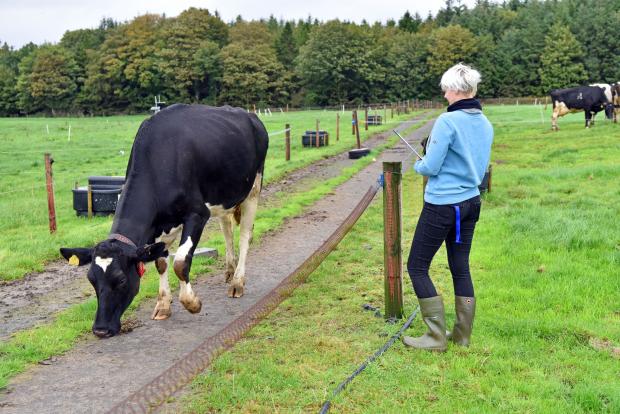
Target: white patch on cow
<point>103,262</point>
<point>170,237</point>
<point>183,250</point>
<point>219,210</point>
<point>607,88</point>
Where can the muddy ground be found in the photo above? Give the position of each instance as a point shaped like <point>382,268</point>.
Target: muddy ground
<point>73,382</point>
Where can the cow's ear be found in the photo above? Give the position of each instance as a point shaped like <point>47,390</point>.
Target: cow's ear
<point>152,252</point>
<point>77,257</point>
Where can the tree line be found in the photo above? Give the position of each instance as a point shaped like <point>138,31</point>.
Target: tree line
<point>521,47</point>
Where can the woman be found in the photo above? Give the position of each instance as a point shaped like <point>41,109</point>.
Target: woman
<point>457,154</point>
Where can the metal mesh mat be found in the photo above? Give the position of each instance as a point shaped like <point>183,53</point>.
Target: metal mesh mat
<point>183,371</point>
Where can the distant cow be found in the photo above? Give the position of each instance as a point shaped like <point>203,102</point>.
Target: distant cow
<point>188,163</point>
<point>590,99</point>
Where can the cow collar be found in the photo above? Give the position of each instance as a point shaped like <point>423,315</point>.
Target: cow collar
<point>124,239</point>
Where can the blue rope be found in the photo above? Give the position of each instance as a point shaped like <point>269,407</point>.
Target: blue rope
<point>457,210</point>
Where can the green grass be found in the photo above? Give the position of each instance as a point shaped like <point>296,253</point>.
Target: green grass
<point>39,343</point>
<point>545,265</point>
<point>101,146</point>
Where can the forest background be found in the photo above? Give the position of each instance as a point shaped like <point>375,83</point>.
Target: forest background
<point>521,47</point>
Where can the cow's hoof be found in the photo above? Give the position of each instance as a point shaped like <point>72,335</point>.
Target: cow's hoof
<point>159,314</point>
<point>235,291</point>
<point>162,308</point>
<point>192,306</point>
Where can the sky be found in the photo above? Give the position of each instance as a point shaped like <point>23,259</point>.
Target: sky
<point>40,21</point>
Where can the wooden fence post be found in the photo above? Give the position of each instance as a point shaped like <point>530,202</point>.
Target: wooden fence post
<point>288,141</point>
<point>89,200</point>
<point>353,122</point>
<point>317,133</point>
<point>337,127</point>
<point>366,119</point>
<point>49,181</point>
<point>392,254</point>
<point>357,130</point>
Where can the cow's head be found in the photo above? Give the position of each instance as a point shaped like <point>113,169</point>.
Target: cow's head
<point>609,110</point>
<point>115,275</point>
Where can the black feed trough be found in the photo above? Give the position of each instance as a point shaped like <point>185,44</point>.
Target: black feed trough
<point>358,153</point>
<point>308,139</point>
<point>105,192</point>
<point>375,119</point>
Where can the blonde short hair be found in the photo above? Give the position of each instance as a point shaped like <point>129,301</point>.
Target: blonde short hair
<point>461,78</point>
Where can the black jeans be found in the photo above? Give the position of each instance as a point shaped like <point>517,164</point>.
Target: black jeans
<point>437,224</point>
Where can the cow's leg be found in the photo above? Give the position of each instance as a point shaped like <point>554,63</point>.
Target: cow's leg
<point>226,223</point>
<point>192,230</point>
<point>554,118</point>
<point>588,118</point>
<point>248,213</point>
<point>162,308</point>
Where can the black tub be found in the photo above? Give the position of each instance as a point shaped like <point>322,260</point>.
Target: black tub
<point>106,191</point>
<point>309,138</point>
<point>104,201</point>
<point>103,182</point>
<point>375,119</point>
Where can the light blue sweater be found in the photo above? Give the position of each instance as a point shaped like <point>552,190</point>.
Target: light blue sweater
<point>457,155</point>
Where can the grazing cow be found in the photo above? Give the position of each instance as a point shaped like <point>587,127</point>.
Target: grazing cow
<point>188,163</point>
<point>590,99</point>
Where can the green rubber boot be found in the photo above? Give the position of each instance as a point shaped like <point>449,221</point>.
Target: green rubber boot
<point>465,310</point>
<point>434,317</point>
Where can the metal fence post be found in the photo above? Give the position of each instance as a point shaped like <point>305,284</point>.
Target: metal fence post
<point>392,253</point>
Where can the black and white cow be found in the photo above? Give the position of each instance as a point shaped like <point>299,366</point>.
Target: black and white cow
<point>188,163</point>
<point>590,99</point>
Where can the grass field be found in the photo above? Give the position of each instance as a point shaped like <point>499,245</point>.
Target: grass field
<point>83,147</point>
<point>545,264</point>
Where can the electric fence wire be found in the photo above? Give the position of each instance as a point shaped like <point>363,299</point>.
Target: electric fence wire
<point>327,405</point>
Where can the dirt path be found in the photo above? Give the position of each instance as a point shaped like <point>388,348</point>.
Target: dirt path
<point>36,298</point>
<point>97,374</point>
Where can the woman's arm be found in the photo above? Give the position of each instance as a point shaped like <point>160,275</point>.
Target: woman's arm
<point>436,149</point>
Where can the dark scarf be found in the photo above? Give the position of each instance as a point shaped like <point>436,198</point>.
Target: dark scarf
<point>469,103</point>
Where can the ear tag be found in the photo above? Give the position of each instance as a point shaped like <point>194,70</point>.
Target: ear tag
<point>74,261</point>
<point>140,268</point>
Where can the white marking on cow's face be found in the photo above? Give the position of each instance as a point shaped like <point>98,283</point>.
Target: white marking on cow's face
<point>219,210</point>
<point>103,262</point>
<point>183,250</point>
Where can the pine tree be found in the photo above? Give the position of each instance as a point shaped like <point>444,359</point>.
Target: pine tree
<point>286,49</point>
<point>561,64</point>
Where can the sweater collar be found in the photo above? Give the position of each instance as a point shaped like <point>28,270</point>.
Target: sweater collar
<point>469,103</point>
